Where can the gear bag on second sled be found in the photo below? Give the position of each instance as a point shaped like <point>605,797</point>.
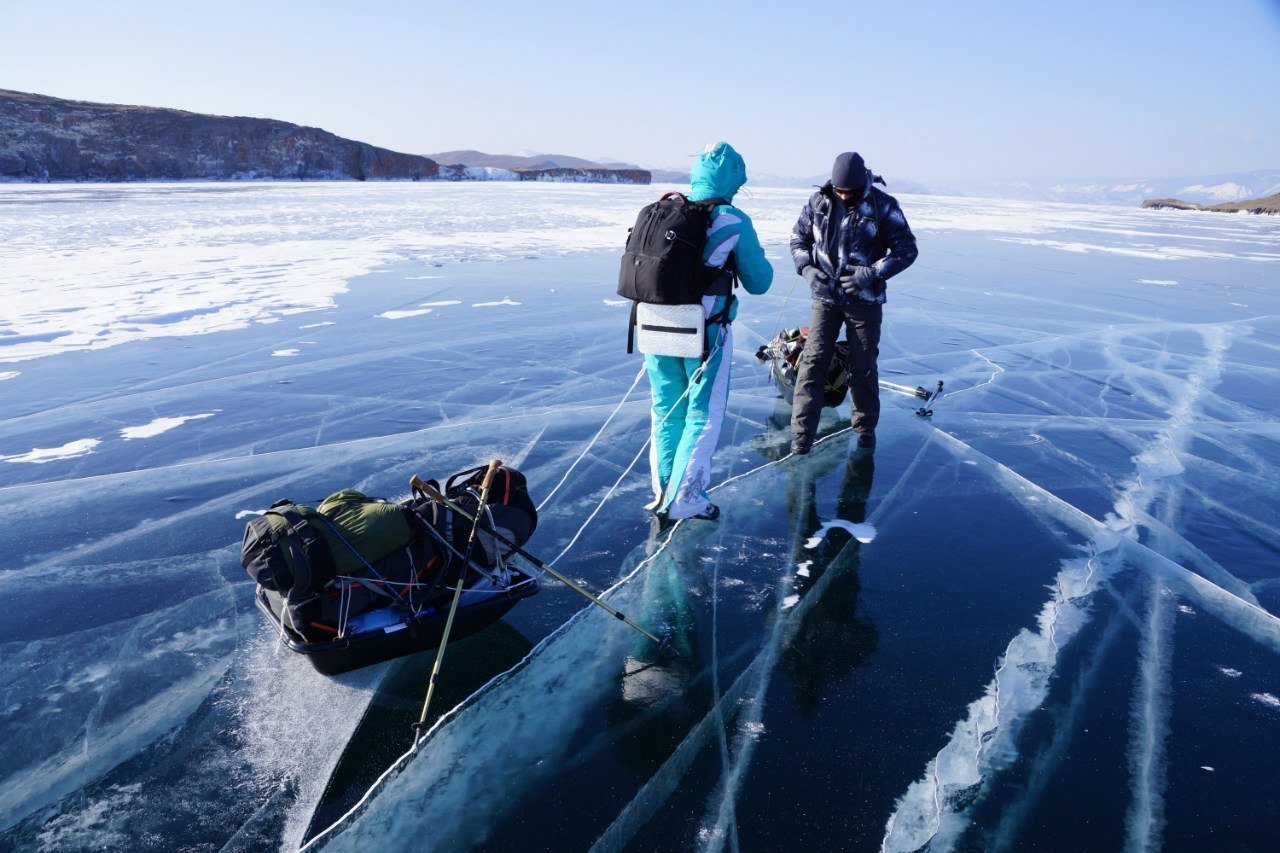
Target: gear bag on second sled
<point>320,567</point>
<point>664,276</point>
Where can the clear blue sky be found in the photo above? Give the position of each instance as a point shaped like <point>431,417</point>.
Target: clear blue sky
<point>931,91</point>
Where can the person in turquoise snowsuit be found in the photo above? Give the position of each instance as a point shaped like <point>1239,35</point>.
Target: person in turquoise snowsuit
<point>689,395</point>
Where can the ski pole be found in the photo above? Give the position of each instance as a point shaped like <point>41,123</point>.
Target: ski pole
<point>419,726</point>
<point>427,491</point>
<point>927,409</point>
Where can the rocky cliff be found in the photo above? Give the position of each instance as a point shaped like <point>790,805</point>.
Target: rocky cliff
<point>1268,205</point>
<point>49,139</point>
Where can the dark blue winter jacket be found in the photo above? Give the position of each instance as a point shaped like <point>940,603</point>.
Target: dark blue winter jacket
<point>880,238</point>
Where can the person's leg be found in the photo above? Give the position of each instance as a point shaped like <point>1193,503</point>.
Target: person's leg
<point>668,379</point>
<point>863,334</point>
<point>815,360</point>
<point>708,397</point>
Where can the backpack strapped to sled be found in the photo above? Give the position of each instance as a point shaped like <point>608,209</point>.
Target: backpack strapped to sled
<point>783,357</point>
<point>353,554</point>
<point>664,276</point>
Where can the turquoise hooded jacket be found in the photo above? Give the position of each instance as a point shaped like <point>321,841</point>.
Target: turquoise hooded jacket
<point>719,173</point>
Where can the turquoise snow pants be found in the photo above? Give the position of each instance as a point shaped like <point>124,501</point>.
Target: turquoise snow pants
<point>686,426</point>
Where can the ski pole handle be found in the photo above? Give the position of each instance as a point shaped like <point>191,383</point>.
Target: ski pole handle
<point>417,486</point>
<point>420,488</point>
<point>488,475</point>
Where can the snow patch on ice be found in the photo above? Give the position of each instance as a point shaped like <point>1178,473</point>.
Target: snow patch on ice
<point>617,303</point>
<point>441,304</point>
<point>401,314</point>
<point>790,601</point>
<point>9,374</point>
<point>1161,281</point>
<point>317,325</point>
<point>1154,252</point>
<point>863,532</point>
<point>1267,699</point>
<point>160,425</point>
<point>286,353</point>
<point>1230,672</point>
<point>505,301</point>
<point>70,450</point>
<point>249,513</point>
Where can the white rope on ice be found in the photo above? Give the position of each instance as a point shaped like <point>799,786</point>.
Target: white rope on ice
<point>593,440</point>
<point>643,447</point>
<point>491,684</point>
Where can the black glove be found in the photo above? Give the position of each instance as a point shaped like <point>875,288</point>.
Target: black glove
<point>855,279</point>
<point>815,277</point>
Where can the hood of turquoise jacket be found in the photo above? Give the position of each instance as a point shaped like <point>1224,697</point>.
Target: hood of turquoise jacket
<point>719,173</point>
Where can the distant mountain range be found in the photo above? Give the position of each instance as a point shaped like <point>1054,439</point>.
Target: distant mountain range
<point>518,162</point>
<point>51,139</point>
<point>1204,189</point>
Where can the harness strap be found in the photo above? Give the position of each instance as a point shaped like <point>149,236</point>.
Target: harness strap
<point>307,546</point>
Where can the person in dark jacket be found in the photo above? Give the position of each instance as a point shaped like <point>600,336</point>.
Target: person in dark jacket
<point>850,239</point>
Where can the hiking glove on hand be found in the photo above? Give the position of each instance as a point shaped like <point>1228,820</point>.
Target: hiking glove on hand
<point>814,276</point>
<point>819,285</point>
<point>858,279</point>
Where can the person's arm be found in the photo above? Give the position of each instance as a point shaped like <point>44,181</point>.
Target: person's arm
<point>802,240</point>
<point>899,240</point>
<point>754,270</point>
<point>732,231</point>
<point>820,287</point>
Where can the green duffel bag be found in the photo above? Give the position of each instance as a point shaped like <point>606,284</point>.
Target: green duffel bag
<point>293,547</point>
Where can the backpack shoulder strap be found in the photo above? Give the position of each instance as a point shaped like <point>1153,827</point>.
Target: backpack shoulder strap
<point>311,557</point>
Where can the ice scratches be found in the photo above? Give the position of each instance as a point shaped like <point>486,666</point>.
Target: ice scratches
<point>744,701</point>
<point>931,811</point>
<point>268,719</point>
<point>1044,765</point>
<point>97,827</point>
<point>523,717</point>
<point>75,706</point>
<point>1149,724</point>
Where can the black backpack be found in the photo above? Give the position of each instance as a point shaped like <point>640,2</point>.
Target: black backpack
<point>662,264</point>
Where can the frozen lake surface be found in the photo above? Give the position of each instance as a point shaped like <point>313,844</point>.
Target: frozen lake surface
<point>1045,618</point>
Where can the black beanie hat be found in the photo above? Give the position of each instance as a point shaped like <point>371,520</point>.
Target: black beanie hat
<point>849,171</point>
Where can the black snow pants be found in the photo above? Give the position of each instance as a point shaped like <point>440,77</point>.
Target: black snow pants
<point>862,332</point>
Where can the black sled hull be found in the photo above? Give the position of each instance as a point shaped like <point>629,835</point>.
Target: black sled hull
<point>415,634</point>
